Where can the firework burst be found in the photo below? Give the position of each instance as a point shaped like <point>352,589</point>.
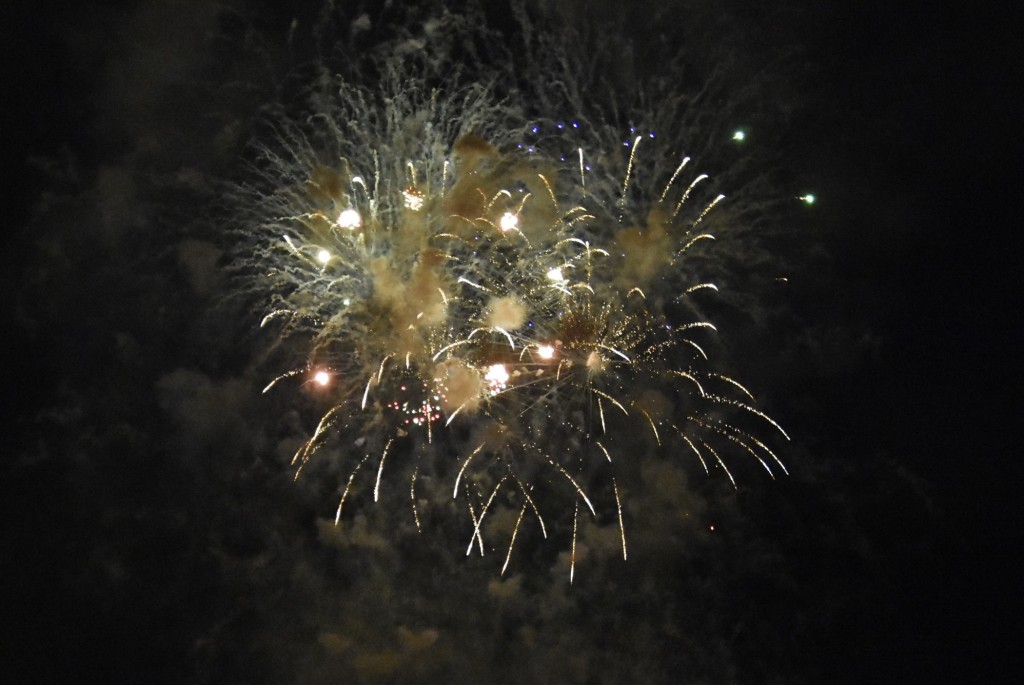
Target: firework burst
<point>489,299</point>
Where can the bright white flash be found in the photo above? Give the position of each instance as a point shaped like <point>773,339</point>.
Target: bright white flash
<point>350,219</point>
<point>556,275</point>
<point>508,222</point>
<point>323,256</point>
<point>321,378</point>
<point>546,351</point>
<point>497,376</point>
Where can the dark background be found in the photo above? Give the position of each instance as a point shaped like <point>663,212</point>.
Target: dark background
<point>147,540</point>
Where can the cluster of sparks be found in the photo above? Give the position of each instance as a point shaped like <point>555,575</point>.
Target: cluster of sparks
<point>515,304</point>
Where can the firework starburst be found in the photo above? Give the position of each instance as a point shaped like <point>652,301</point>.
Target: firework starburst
<point>491,299</point>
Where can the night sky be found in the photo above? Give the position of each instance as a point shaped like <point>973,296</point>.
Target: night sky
<point>153,532</point>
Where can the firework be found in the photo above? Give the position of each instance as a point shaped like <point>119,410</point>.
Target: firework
<point>492,299</point>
